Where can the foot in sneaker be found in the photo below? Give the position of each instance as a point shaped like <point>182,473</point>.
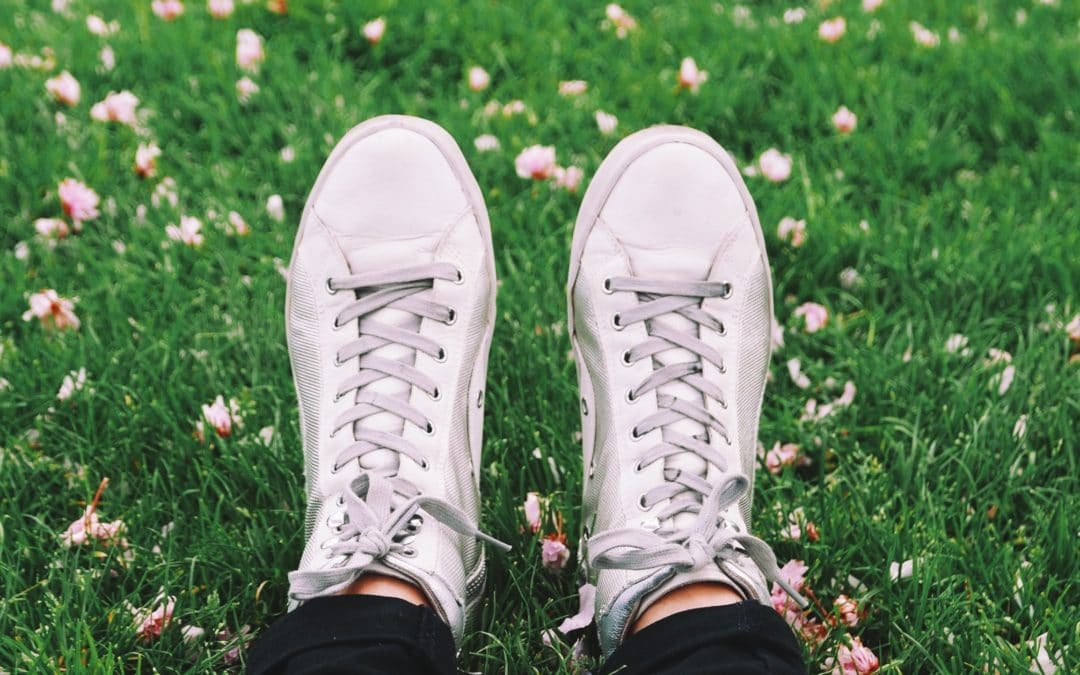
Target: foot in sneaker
<point>389,316</point>
<point>670,303</point>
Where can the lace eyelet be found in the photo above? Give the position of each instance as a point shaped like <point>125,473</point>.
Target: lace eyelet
<point>424,464</point>
<point>616,321</point>
<point>626,358</point>
<point>430,428</point>
<point>408,552</point>
<point>436,395</point>
<point>630,398</point>
<point>341,498</point>
<point>441,356</point>
<point>330,288</point>
<point>452,317</point>
<point>480,399</point>
<point>584,407</point>
<point>723,369</point>
<point>607,286</point>
<point>334,469</point>
<point>337,326</point>
<point>723,329</point>
<point>727,292</point>
<point>638,467</point>
<point>641,503</point>
<point>460,277</point>
<point>635,436</point>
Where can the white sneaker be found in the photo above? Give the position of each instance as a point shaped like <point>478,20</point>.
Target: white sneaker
<point>670,303</point>
<point>389,314</point>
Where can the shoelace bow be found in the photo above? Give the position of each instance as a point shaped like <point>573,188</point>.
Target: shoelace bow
<point>709,539</point>
<point>372,526</point>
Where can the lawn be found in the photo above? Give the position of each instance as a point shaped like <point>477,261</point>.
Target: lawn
<point>941,241</point>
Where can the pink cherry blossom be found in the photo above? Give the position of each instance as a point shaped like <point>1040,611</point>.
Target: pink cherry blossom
<point>794,15</point>
<point>108,58</point>
<point>816,316</point>
<point>689,76</point>
<point>249,50</point>
<point>536,162</point>
<point>586,607</point>
<point>187,232</point>
<point>6,56</point>
<point>924,37</point>
<point>554,552</point>
<point>479,79</point>
<point>89,528</point>
<point>219,416</point>
<point>573,87</point>
<point>847,609</point>
<point>146,159</point>
<point>245,89</point>
<point>117,107</point>
<point>832,29</point>
<point>51,228</point>
<point>784,455</point>
<point>279,7</point>
<point>237,226</point>
<point>1072,329</point>
<point>78,201</point>
<point>98,26</point>
<point>847,397</point>
<point>849,277</point>
<point>1044,662</point>
<point>532,511</point>
<point>775,165</point>
<point>1005,379</point>
<point>853,660</point>
<point>52,310</point>
<point>800,378</point>
<point>73,382</point>
<point>1020,428</point>
<point>792,230</point>
<point>606,122</point>
<point>515,107</point>
<point>871,5</point>
<point>568,178</point>
<point>167,9</point>
<point>777,336</point>
<point>220,9</point>
<point>623,22</point>
<point>844,120</point>
<point>275,208</point>
<point>64,88</point>
<point>373,30</point>
<point>995,356</point>
<point>796,523</point>
<point>486,143</point>
<point>150,623</point>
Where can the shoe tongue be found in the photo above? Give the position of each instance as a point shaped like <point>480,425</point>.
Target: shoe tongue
<point>376,256</point>
<point>676,264</point>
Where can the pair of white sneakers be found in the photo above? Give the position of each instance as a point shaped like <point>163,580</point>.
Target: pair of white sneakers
<point>389,316</point>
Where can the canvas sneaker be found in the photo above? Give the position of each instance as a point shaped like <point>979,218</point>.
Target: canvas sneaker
<point>670,308</point>
<point>389,315</point>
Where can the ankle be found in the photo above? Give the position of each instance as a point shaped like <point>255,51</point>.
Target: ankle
<point>387,587</point>
<point>692,596</point>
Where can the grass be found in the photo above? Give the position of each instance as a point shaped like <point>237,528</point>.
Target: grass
<point>963,166</point>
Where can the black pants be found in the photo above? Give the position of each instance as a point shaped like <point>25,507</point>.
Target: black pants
<point>370,635</point>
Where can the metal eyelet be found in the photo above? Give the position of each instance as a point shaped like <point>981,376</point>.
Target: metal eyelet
<point>460,277</point>
<point>630,398</point>
<point>626,358</point>
<point>436,395</point>
<point>329,288</point>
<point>641,503</point>
<point>727,292</point>
<point>430,428</point>
<point>607,286</point>
<point>451,319</point>
<point>441,356</point>
<point>616,321</point>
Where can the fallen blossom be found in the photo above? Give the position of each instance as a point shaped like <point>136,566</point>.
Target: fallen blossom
<point>167,9</point>
<point>373,30</point>
<point>775,165</point>
<point>1020,428</point>
<point>900,570</point>
<point>191,634</point>
<point>107,57</point>
<point>832,30</point>
<point>536,162</point>
<point>689,76</point>
<point>568,178</point>
<point>800,378</point>
<point>1072,329</point>
<point>816,316</point>
<point>584,617</point>
<point>871,5</point>
<point>553,552</point>
<point>89,528</point>
<point>848,395</point>
<point>849,278</point>
<point>146,159</point>
<point>52,311</point>
<point>794,15</point>
<point>64,88</point>
<point>236,225</point>
<point>245,89</point>
<point>486,143</point>
<point>249,50</point>
<point>116,107</point>
<point>187,232</point>
<point>995,356</point>
<point>288,154</point>
<point>623,22</point>
<point>219,416</point>
<point>607,124</point>
<point>797,524</point>
<point>164,193</point>
<point>853,660</point>
<point>6,56</point>
<point>266,435</point>
<point>149,623</point>
<point>1004,380</point>
<point>515,107</point>
<point>573,87</point>
<point>275,208</point>
<point>479,80</point>
<point>532,511</point>
<point>777,336</point>
<point>792,230</point>
<point>51,228</point>
<point>844,121</point>
<point>98,26</point>
<point>957,343</point>
<point>78,200</point>
<point>847,609</point>
<point>1044,662</point>
<point>220,9</point>
<point>73,382</point>
<point>924,37</point>
<point>784,455</point>
<point>279,7</point>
